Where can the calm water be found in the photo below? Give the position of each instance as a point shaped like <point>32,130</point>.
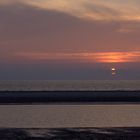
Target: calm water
<point>57,116</point>
<point>70,85</point>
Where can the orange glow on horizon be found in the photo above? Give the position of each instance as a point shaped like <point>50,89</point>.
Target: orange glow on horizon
<point>118,57</point>
<point>98,57</point>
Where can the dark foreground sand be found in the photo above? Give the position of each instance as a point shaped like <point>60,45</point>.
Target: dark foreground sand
<point>71,134</point>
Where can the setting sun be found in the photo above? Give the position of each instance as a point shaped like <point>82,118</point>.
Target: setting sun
<point>113,71</point>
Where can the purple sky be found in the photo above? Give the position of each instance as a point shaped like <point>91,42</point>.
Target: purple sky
<point>62,39</point>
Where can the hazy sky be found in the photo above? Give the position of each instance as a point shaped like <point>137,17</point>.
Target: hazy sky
<point>69,39</point>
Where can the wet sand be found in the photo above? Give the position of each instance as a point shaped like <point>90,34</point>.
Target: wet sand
<point>71,134</point>
<point>111,115</point>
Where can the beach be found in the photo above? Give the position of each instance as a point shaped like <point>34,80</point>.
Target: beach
<point>71,134</point>
<point>40,113</point>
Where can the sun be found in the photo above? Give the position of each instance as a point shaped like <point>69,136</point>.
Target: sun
<point>113,71</point>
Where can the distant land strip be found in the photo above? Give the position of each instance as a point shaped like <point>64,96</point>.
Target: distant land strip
<point>69,97</point>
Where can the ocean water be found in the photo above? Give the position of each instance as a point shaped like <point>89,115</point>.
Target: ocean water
<point>66,116</point>
<point>69,85</point>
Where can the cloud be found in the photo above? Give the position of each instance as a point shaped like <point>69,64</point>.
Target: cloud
<point>24,28</point>
<point>87,9</point>
<point>93,10</point>
<point>101,57</point>
<point>35,32</point>
<point>129,27</point>
<point>8,2</point>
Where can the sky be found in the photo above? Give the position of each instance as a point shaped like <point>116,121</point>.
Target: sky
<point>69,39</point>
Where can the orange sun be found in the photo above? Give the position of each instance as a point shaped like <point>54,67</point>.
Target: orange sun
<point>113,71</point>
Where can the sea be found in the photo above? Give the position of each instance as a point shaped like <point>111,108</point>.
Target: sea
<point>40,119</point>
<point>65,85</point>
